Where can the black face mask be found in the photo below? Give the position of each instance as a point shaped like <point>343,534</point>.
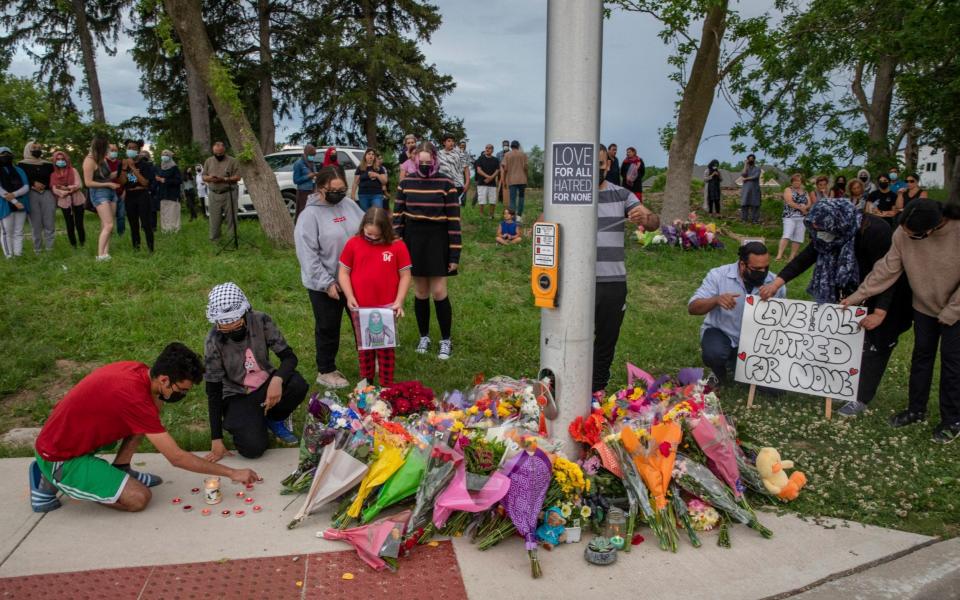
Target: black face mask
<point>754,279</point>
<point>334,197</point>
<point>424,170</point>
<point>864,179</point>
<point>36,153</point>
<point>219,156</point>
<point>237,335</point>
<point>174,396</point>
<point>6,161</point>
<point>884,185</point>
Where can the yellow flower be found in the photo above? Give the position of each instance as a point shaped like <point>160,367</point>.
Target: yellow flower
<point>585,511</point>
<point>488,413</point>
<point>457,426</point>
<point>502,410</point>
<point>473,410</point>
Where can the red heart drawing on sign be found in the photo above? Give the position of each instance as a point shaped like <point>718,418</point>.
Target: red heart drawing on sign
<point>860,312</point>
<point>750,300</point>
<point>742,356</point>
<point>854,371</point>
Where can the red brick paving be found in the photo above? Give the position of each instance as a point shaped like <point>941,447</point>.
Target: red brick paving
<point>428,573</point>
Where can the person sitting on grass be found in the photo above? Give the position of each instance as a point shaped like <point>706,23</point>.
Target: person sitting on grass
<point>721,297</point>
<point>508,232</point>
<point>117,402</point>
<point>245,394</point>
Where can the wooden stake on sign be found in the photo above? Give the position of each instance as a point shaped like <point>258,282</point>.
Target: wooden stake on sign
<point>751,394</point>
<point>828,408</point>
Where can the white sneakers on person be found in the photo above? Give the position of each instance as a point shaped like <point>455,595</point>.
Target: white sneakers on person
<point>333,379</point>
<point>103,257</point>
<point>423,345</point>
<point>446,349</point>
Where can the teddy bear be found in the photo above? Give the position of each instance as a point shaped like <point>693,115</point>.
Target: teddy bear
<point>552,531</point>
<point>775,479</point>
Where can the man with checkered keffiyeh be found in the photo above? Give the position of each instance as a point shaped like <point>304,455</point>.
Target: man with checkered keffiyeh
<point>246,395</point>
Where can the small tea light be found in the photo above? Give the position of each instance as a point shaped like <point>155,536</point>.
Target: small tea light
<point>249,500</point>
<point>205,512</point>
<point>177,500</point>
<point>257,508</point>
<point>617,542</point>
<point>187,508</point>
<point>249,486</point>
<point>240,513</point>
<point>240,494</point>
<point>195,491</point>
<point>225,513</point>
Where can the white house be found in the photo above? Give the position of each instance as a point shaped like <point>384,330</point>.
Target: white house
<point>930,163</point>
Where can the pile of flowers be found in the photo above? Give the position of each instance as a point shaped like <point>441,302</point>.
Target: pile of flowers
<point>481,465</point>
<point>689,234</point>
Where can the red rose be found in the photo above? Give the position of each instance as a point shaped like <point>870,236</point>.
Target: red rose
<point>665,448</point>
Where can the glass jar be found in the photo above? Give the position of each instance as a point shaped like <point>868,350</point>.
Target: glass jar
<point>616,524</point>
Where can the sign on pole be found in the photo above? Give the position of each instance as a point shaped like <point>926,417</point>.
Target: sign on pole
<point>572,170</point>
<point>801,346</point>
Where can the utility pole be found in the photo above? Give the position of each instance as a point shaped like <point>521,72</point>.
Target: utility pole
<point>574,57</point>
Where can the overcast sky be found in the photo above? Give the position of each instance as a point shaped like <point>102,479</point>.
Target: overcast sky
<point>495,51</point>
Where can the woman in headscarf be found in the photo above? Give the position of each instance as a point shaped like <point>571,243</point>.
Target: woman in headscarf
<point>427,218</point>
<point>14,204</point>
<point>169,180</point>
<point>43,206</point>
<point>65,183</point>
<point>844,248</point>
<point>864,176</point>
<point>926,247</point>
<point>330,158</point>
<point>712,178</point>
<point>101,184</point>
<point>245,394</point>
<point>304,177</point>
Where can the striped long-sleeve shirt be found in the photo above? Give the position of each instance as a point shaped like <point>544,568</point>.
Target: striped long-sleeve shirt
<point>430,199</point>
<point>613,205</point>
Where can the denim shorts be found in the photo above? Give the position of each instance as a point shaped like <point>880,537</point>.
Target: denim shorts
<point>100,195</point>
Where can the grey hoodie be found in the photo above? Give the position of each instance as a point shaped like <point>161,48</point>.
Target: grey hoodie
<point>321,233</point>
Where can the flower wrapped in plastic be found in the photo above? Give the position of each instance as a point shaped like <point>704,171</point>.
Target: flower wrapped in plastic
<point>373,542</point>
<point>654,460</point>
<point>698,480</point>
<point>530,475</point>
<point>401,485</point>
<point>388,458</point>
<point>441,462</point>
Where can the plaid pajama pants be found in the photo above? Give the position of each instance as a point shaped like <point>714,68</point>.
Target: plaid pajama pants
<point>368,365</point>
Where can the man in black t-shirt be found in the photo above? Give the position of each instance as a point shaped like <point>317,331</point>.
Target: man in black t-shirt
<point>487,170</point>
<point>882,201</point>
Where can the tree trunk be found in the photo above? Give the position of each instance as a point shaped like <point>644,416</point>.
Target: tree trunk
<point>268,130</point>
<point>373,76</point>
<point>260,181</point>
<point>911,151</point>
<point>199,110</point>
<point>89,61</point>
<point>951,174</point>
<point>880,152</point>
<point>692,117</point>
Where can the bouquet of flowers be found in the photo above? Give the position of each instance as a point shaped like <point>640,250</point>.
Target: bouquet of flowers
<point>401,485</point>
<point>530,475</point>
<point>654,460</point>
<point>408,397</point>
<point>325,418</point>
<point>441,462</point>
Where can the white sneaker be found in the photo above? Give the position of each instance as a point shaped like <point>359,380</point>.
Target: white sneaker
<point>446,349</point>
<point>103,258</point>
<point>423,345</point>
<point>333,379</point>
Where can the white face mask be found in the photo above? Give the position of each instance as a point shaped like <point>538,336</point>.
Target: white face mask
<point>826,236</point>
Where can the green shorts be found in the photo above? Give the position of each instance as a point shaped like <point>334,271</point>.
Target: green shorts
<point>86,477</point>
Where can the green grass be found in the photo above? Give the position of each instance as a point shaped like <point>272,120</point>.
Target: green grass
<point>66,306</point>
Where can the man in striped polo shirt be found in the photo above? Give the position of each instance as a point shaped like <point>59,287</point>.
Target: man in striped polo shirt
<point>615,206</point>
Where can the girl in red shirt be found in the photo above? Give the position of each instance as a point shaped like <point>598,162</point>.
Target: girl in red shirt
<point>375,272</point>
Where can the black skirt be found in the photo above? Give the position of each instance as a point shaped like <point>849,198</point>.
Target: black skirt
<point>429,248</point>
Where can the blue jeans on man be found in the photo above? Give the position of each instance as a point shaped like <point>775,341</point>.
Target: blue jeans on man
<point>719,355</point>
<point>516,204</point>
<point>121,216</point>
<point>367,201</point>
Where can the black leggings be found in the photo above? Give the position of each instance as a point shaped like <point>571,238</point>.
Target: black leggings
<point>74,218</point>
<point>245,421</point>
<point>191,203</point>
<point>140,214</point>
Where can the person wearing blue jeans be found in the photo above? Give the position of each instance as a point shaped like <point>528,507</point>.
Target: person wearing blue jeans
<point>368,182</point>
<point>516,198</point>
<point>721,298</point>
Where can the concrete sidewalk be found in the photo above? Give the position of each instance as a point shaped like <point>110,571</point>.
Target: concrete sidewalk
<point>82,536</point>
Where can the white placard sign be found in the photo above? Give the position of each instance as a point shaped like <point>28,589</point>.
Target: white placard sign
<point>375,328</point>
<point>801,346</point>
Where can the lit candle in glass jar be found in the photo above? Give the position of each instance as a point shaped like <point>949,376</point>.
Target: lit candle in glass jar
<point>211,490</point>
